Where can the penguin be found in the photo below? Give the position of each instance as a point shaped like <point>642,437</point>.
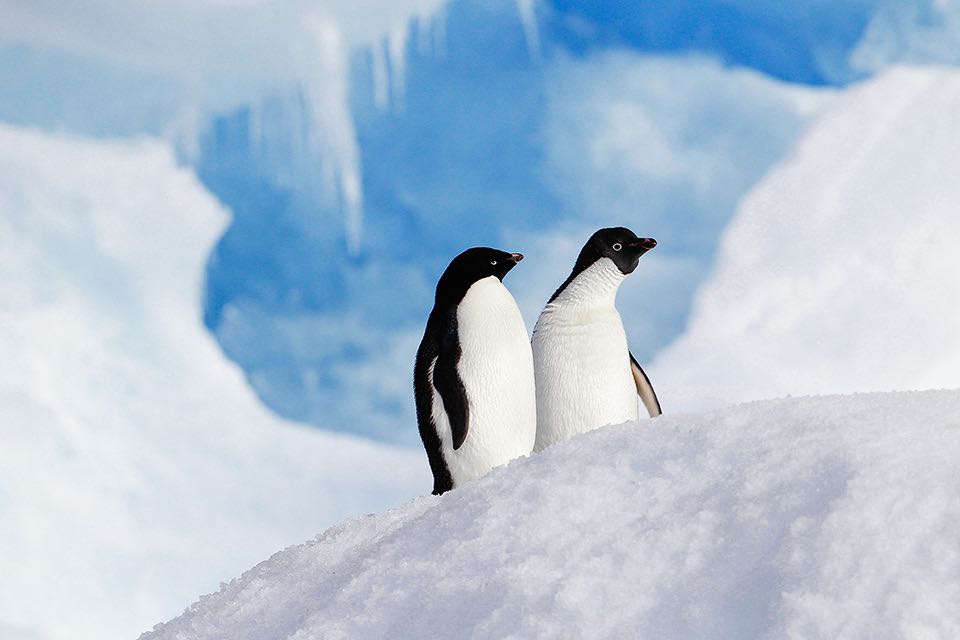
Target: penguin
<point>473,377</point>
<point>586,376</point>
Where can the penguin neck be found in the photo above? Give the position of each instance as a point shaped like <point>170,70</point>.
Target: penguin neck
<point>595,286</point>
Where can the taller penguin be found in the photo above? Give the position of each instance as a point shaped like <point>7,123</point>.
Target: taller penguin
<point>586,376</point>
<point>473,378</point>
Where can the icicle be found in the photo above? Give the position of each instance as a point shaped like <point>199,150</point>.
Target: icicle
<point>381,79</point>
<point>329,123</point>
<point>351,193</point>
<point>438,29</point>
<point>397,48</point>
<point>528,18</point>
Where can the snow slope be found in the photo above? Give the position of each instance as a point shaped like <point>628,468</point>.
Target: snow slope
<point>839,271</point>
<point>822,517</point>
<point>136,466</point>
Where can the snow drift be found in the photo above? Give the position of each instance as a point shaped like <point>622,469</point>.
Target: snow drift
<point>136,466</point>
<point>821,517</point>
<point>838,272</point>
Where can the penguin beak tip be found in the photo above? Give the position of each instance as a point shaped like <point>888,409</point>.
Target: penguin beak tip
<point>516,257</point>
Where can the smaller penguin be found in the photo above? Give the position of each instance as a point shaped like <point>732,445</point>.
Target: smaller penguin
<point>586,376</point>
<point>473,377</point>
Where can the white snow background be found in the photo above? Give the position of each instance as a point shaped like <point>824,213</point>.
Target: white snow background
<point>817,517</point>
<point>136,464</point>
<point>840,271</point>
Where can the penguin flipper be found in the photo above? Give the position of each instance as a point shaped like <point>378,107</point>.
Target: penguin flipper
<point>644,389</point>
<point>446,379</point>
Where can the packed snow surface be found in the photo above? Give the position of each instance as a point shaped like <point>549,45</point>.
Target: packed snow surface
<point>820,517</point>
<point>838,273</point>
<point>136,466</point>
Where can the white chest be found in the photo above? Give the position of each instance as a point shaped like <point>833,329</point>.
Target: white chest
<point>496,367</point>
<point>582,360</point>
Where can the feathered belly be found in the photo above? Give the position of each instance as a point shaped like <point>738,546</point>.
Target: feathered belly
<point>583,377</point>
<point>496,367</point>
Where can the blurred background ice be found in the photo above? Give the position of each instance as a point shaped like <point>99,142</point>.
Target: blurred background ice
<point>286,180</point>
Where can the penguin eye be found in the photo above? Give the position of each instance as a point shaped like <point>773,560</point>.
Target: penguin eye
<point>617,246</point>
<point>493,262</point>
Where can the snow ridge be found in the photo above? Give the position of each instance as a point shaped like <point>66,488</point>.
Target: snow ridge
<point>818,517</point>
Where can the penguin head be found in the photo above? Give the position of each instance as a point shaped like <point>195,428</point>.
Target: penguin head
<point>619,244</point>
<point>471,266</point>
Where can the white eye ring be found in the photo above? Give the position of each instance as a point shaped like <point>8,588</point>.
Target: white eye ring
<point>617,246</point>
<point>493,262</point>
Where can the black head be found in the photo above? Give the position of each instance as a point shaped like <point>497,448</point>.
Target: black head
<point>473,265</point>
<point>619,244</point>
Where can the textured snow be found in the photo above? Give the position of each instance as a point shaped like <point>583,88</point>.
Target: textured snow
<point>839,271</point>
<point>136,467</point>
<point>824,517</point>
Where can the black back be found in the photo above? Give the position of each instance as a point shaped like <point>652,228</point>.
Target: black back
<point>441,341</point>
<point>617,243</point>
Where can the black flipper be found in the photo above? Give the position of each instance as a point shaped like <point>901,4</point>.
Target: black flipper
<point>423,394</point>
<point>446,379</point>
<point>644,389</point>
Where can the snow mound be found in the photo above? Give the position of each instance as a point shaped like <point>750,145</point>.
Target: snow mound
<point>821,517</point>
<point>136,466</point>
<point>838,272</point>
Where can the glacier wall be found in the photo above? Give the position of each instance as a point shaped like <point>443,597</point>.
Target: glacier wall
<point>486,143</point>
<point>360,145</point>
